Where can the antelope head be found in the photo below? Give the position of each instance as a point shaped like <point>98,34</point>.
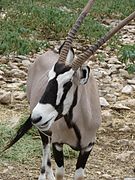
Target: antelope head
<point>66,75</point>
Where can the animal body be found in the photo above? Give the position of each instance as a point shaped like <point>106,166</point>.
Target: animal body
<point>64,102</point>
<point>54,89</point>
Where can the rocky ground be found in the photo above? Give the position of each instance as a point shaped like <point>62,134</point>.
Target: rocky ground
<point>114,155</point>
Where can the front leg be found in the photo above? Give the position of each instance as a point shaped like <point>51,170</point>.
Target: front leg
<point>81,162</point>
<point>59,159</point>
<point>46,169</point>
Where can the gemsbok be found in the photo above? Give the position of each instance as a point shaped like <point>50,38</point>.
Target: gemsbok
<point>64,102</point>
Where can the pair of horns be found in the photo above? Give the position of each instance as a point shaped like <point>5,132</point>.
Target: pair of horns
<point>73,31</point>
<point>93,48</point>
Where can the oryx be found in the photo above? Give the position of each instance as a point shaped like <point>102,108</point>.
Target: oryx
<point>64,102</point>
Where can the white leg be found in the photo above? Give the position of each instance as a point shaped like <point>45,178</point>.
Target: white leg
<point>79,174</point>
<point>60,173</point>
<point>46,172</point>
<point>46,169</point>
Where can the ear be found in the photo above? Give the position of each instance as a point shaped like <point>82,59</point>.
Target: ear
<point>70,55</point>
<point>85,71</point>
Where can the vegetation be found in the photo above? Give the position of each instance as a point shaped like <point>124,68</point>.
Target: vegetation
<point>28,148</point>
<point>28,26</point>
<point>126,55</point>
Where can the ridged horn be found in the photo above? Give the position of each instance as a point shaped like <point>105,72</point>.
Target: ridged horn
<point>93,48</point>
<point>73,31</point>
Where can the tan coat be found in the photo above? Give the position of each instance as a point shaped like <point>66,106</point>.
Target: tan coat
<point>86,114</point>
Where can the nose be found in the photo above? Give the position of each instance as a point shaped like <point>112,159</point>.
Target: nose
<point>36,120</point>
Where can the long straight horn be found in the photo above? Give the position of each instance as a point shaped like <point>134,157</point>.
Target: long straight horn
<point>92,49</point>
<point>73,31</point>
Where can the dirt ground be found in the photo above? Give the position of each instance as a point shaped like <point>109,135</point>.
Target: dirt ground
<point>113,157</point>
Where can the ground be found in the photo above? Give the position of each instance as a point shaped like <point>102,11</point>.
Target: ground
<point>113,156</point>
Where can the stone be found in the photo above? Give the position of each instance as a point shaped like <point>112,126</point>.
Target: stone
<point>125,129</point>
<point>114,60</point>
<point>106,115</point>
<point>20,95</point>
<point>5,97</point>
<point>119,106</point>
<point>1,72</point>
<point>103,102</point>
<point>124,73</point>
<point>127,90</point>
<point>125,156</point>
<point>18,73</point>
<point>26,63</point>
<point>131,81</point>
<point>106,176</point>
<point>127,102</point>
<point>111,97</point>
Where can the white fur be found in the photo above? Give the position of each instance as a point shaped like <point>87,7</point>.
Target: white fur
<point>51,74</point>
<point>84,79</point>
<point>70,57</point>
<point>68,100</point>
<point>48,170</point>
<point>59,148</point>
<point>61,80</point>
<point>47,112</point>
<point>79,173</point>
<point>60,171</point>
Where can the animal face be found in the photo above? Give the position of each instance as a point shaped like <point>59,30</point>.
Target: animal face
<point>57,98</point>
<point>60,95</point>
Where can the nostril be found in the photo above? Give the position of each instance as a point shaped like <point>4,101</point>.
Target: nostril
<point>36,120</point>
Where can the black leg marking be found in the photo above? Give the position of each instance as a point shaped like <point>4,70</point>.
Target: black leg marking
<point>83,156</point>
<point>49,162</point>
<point>45,142</point>
<point>82,159</point>
<point>58,155</point>
<point>42,170</point>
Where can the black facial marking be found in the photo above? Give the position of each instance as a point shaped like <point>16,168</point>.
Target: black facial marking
<point>68,117</point>
<point>60,68</point>
<point>59,107</point>
<point>50,93</point>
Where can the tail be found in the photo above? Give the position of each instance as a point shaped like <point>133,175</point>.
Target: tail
<point>20,133</point>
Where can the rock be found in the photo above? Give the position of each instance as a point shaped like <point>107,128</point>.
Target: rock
<point>127,102</point>
<point>125,129</point>
<point>132,81</point>
<point>5,97</point>
<point>133,86</point>
<point>21,57</point>
<point>26,63</point>
<point>114,60</point>
<point>119,106</point>
<point>18,73</point>
<point>127,90</point>
<point>106,176</point>
<point>3,60</point>
<point>20,95</point>
<point>125,156</point>
<point>124,73</point>
<point>111,97</point>
<point>106,115</point>
<point>1,72</point>
<point>1,78</point>
<point>103,102</point>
